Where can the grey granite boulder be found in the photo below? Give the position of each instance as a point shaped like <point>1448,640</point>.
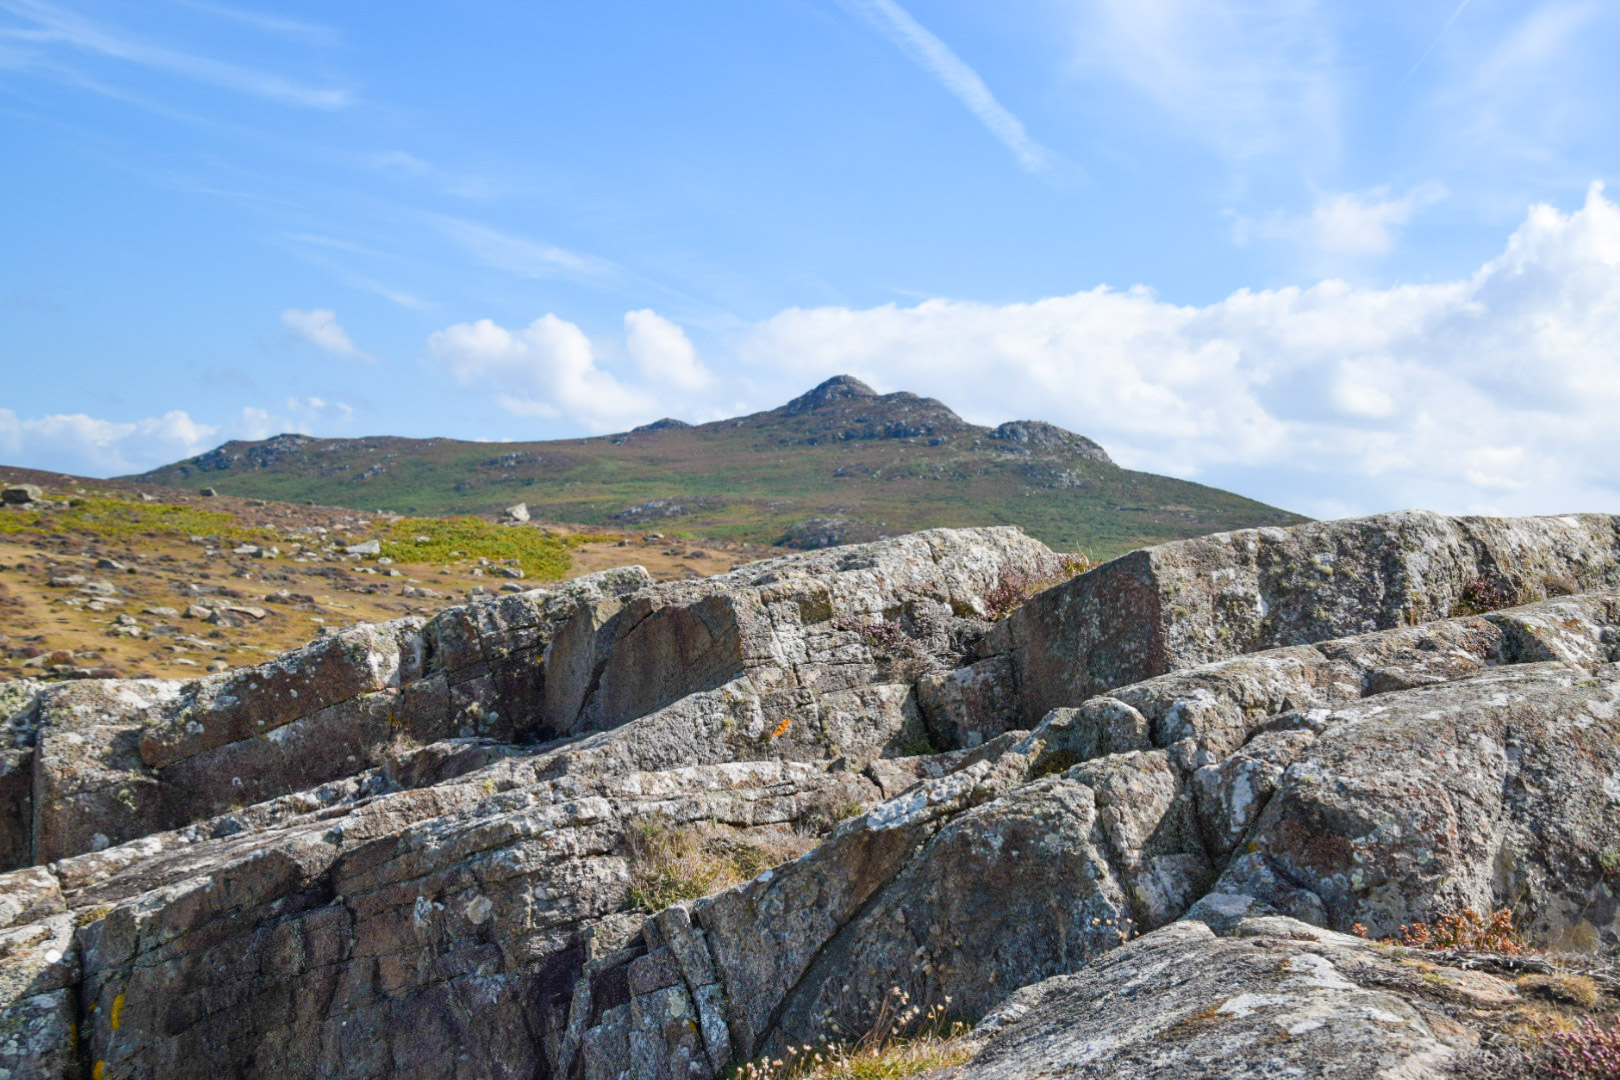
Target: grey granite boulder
<point>1274,999</point>
<point>1177,605</point>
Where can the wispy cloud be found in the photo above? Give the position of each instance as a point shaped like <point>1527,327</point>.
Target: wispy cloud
<point>52,25</point>
<point>518,255</point>
<point>312,33</point>
<point>936,58</point>
<point>1248,79</point>
<point>321,329</point>
<point>1525,97</point>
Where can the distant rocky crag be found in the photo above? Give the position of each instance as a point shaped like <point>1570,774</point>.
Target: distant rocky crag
<point>1152,823</point>
<point>839,464</point>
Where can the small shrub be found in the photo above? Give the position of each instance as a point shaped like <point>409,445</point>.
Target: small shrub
<point>1588,1053</point>
<point>1467,929</point>
<point>906,1040</point>
<point>670,863</point>
<point>921,746</point>
<point>1609,864</point>
<point>1485,594</point>
<point>1013,590</point>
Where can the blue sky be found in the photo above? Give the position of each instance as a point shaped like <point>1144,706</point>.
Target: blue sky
<point>1340,257</point>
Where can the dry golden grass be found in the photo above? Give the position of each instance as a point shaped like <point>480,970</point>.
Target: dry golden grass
<point>906,1040</point>
<point>670,863</point>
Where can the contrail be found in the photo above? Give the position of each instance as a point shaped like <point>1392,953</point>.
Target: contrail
<point>936,58</point>
<point>1433,43</point>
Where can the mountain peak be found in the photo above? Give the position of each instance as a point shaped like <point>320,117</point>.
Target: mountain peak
<point>838,388</point>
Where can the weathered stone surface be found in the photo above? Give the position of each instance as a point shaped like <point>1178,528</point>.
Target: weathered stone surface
<point>21,494</point>
<point>800,627</point>
<point>1496,790</point>
<point>968,705</point>
<point>1277,998</point>
<point>395,874</point>
<point>1185,603</point>
<point>111,760</point>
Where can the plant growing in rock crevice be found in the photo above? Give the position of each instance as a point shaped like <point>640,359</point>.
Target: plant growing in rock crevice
<point>671,862</point>
<point>1012,590</point>
<point>1486,594</point>
<point>905,1040</point>
<point>1466,930</point>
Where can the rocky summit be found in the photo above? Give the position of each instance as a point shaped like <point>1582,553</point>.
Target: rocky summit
<point>1158,819</point>
<point>838,464</point>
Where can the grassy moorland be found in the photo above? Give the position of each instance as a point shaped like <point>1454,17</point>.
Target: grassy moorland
<point>102,578</point>
<point>836,465</point>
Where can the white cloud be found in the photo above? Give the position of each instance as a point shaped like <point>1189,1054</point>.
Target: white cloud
<point>321,329</point>
<point>661,351</point>
<point>88,446</point>
<point>314,410</point>
<point>1497,392</point>
<point>936,58</point>
<point>1347,222</point>
<point>546,370</point>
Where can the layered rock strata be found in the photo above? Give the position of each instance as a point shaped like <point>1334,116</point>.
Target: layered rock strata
<point>412,849</point>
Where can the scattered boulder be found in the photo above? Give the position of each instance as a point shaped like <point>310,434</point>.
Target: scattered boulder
<point>21,494</point>
<point>520,512</point>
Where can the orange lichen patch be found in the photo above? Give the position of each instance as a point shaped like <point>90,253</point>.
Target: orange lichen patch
<point>116,1019</point>
<point>782,728</point>
<point>99,1072</point>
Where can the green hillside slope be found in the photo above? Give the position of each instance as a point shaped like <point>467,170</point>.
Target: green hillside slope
<point>837,465</point>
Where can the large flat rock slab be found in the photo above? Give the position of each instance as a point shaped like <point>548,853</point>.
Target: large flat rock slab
<point>1181,604</point>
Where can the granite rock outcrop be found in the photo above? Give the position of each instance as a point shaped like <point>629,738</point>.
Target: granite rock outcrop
<point>1130,829</point>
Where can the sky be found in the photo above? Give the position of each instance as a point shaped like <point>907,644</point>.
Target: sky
<point>1340,257</point>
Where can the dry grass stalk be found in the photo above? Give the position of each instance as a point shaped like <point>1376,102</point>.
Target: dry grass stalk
<point>906,1040</point>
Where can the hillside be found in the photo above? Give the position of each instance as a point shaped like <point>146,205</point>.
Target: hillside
<point>100,579</point>
<point>839,464</point>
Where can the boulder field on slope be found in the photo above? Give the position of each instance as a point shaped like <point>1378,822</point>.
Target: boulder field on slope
<point>417,850</point>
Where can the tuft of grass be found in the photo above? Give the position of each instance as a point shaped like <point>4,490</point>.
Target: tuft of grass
<point>906,1040</point>
<point>459,539</point>
<point>1578,990</point>
<point>670,863</point>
